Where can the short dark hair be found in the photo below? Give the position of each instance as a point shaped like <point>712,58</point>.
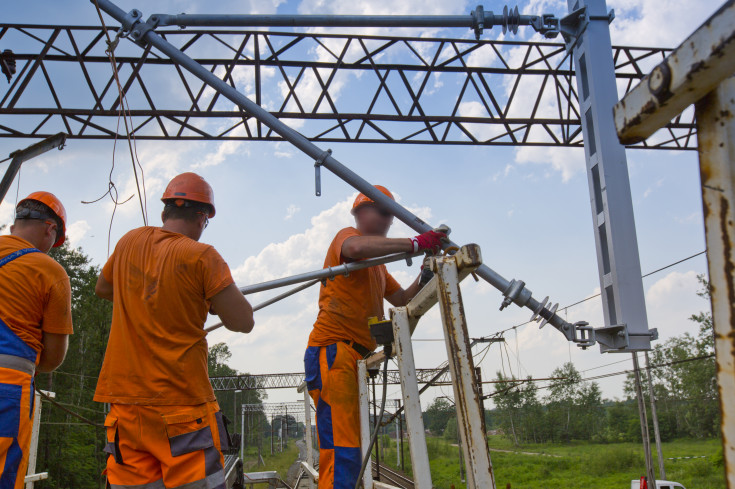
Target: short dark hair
<point>27,208</point>
<point>187,211</point>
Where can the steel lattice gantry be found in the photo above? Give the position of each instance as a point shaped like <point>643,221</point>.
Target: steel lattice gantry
<point>414,90</point>
<point>294,380</point>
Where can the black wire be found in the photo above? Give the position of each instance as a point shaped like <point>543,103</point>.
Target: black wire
<point>598,295</point>
<point>366,459</point>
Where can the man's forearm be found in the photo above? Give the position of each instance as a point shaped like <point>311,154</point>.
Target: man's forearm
<point>359,247</point>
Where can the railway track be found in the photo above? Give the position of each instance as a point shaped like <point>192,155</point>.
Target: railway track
<point>392,477</point>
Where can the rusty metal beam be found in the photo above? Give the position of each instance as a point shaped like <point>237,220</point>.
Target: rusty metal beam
<point>470,416</point>
<point>694,69</point>
<point>716,123</point>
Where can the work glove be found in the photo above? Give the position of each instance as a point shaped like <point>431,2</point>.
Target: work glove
<point>426,273</point>
<point>430,240</point>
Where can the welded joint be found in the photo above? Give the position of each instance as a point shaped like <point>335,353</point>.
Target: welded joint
<point>318,171</point>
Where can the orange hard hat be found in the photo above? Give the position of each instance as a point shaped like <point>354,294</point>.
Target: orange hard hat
<point>363,199</point>
<point>53,203</point>
<point>189,186</point>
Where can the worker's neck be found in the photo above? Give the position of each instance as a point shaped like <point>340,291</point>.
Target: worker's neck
<point>189,229</point>
<point>33,236</point>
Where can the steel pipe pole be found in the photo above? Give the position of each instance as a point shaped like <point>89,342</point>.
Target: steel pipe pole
<point>479,17</point>
<point>142,32</point>
<point>22,155</point>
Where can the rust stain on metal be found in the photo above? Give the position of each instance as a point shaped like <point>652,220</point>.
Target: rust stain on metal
<point>725,223</point>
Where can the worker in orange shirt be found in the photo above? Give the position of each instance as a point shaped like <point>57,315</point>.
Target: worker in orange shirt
<point>341,335</point>
<point>164,428</point>
<point>35,322</point>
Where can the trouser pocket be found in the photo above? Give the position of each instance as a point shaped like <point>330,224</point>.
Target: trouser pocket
<point>112,447</point>
<point>225,440</point>
<point>190,430</point>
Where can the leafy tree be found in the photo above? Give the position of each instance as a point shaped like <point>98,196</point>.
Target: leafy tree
<point>437,415</point>
<point>69,449</point>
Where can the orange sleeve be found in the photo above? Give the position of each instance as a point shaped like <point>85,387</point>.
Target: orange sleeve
<point>107,270</point>
<point>391,285</point>
<point>341,238</point>
<point>57,311</point>
<point>215,273</point>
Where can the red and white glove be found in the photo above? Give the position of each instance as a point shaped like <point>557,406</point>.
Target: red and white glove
<point>430,240</point>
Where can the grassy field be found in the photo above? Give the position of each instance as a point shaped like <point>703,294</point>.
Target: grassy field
<point>574,465</point>
<point>280,462</point>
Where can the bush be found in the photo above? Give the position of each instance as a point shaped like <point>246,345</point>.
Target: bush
<point>614,459</point>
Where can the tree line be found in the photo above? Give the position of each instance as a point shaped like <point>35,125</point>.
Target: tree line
<point>571,408</point>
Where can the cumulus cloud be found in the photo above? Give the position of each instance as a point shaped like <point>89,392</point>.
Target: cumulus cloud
<point>76,231</point>
<point>282,329</point>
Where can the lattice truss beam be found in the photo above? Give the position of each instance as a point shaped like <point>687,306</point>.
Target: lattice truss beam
<point>293,380</point>
<point>330,87</point>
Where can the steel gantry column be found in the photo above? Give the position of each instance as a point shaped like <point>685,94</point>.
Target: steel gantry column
<point>626,325</point>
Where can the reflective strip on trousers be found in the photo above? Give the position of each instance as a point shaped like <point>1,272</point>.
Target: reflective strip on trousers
<point>150,485</point>
<point>214,481</point>
<point>17,363</point>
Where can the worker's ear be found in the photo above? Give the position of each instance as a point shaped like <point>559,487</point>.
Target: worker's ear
<point>51,232</point>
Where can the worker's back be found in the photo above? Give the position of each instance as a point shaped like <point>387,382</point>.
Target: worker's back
<point>157,351</point>
<point>34,295</point>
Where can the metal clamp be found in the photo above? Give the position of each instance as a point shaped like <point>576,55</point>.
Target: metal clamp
<point>318,171</point>
<point>478,21</point>
<point>139,27</point>
<point>512,292</point>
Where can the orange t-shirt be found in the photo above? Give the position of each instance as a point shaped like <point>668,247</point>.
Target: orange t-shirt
<point>346,303</point>
<point>35,295</point>
<point>157,352</point>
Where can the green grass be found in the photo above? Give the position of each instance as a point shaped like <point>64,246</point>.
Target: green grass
<point>280,462</point>
<point>574,465</point>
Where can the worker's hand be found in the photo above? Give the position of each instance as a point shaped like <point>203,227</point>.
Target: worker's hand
<point>426,274</point>
<point>430,240</point>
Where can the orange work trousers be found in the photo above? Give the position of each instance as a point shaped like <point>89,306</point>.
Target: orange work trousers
<point>16,425</point>
<point>331,377</point>
<point>166,447</point>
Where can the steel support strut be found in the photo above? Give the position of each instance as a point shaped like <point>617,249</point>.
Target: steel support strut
<point>716,121</point>
<point>143,33</point>
<point>470,417</point>
<point>619,268</point>
<point>22,155</point>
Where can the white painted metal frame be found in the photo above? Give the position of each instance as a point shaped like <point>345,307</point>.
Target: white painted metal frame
<point>443,289</point>
<point>470,418</point>
<point>701,70</point>
<point>31,475</point>
<point>308,464</point>
<point>716,125</point>
<point>362,380</point>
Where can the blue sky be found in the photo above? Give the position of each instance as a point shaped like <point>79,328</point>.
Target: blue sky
<point>528,209</point>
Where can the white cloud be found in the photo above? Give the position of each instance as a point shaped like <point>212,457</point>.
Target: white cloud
<point>291,211</point>
<point>76,231</point>
<point>671,300</point>
<point>281,330</point>
<point>567,161</point>
<point>224,149</point>
<point>651,188</point>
